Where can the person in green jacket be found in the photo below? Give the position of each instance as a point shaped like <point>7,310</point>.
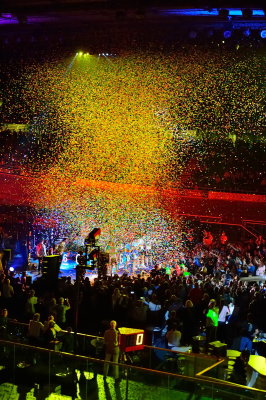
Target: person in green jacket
<point>212,321</point>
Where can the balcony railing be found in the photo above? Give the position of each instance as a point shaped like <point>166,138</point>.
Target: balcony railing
<point>40,373</point>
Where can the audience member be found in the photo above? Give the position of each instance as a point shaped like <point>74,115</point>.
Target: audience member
<point>111,350</point>
<point>211,321</point>
<point>35,330</point>
<point>61,309</point>
<point>239,374</point>
<point>173,337</point>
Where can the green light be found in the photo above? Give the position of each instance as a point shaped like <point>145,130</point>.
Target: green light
<point>80,53</point>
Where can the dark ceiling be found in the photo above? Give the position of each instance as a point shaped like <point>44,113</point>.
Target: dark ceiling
<point>49,5</point>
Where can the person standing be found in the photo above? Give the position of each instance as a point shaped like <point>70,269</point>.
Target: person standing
<point>212,317</point>
<point>40,252</point>
<point>62,307</point>
<point>111,350</point>
<point>223,238</point>
<point>207,239</point>
<point>35,330</point>
<point>59,250</point>
<point>3,323</point>
<point>31,302</point>
<point>239,374</point>
<point>7,293</point>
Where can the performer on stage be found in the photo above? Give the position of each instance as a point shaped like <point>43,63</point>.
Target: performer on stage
<point>40,252</point>
<point>59,249</point>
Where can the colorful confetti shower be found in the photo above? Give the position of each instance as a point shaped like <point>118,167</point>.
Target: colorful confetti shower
<point>106,109</point>
<point>107,133</point>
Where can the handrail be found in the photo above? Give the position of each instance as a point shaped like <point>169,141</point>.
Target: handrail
<point>211,367</point>
<point>231,224</point>
<point>198,355</point>
<point>206,356</point>
<point>200,216</point>
<point>125,366</point>
<point>225,190</point>
<point>26,325</point>
<point>254,222</point>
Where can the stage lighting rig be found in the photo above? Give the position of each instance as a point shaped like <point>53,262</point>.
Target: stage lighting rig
<point>92,237</point>
<point>93,259</point>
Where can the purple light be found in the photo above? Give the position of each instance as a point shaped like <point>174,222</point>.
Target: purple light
<point>192,34</point>
<point>7,19</point>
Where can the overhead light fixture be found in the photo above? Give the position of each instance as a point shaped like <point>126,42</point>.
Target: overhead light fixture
<point>263,34</point>
<point>227,34</point>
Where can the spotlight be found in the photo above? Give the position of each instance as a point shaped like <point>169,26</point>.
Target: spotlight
<point>227,34</point>
<point>11,269</point>
<point>92,237</point>
<point>263,34</point>
<point>247,32</point>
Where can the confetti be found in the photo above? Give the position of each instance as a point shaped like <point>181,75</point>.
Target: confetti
<point>108,133</point>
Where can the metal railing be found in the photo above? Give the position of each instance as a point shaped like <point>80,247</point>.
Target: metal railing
<point>48,371</point>
<point>156,358</point>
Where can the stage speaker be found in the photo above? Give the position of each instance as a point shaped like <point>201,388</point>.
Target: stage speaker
<point>51,267</point>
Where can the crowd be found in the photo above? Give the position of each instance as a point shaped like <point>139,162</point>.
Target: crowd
<point>200,293</point>
<point>210,168</point>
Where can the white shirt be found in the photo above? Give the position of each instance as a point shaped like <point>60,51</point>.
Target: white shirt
<point>153,307</point>
<point>225,311</point>
<point>261,270</point>
<point>223,314</point>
